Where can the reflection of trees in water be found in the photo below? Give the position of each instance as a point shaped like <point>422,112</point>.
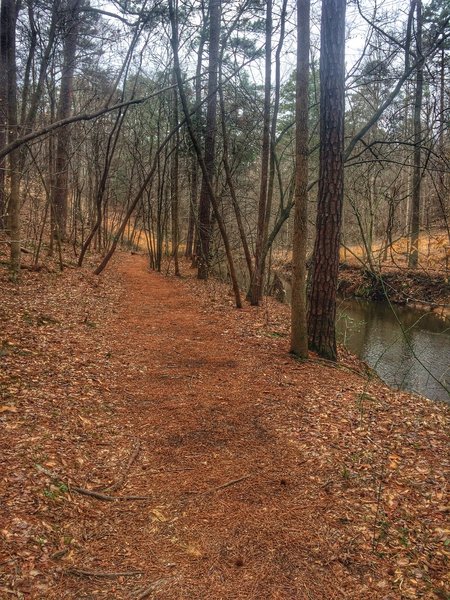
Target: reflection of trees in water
<point>403,355</point>
<point>371,331</point>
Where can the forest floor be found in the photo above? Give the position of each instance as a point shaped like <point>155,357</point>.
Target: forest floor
<point>157,443</point>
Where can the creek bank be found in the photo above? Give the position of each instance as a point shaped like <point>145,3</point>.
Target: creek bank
<point>404,337</point>
<point>414,288</point>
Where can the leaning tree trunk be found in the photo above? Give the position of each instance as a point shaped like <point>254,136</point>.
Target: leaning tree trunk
<point>60,190</point>
<point>299,329</point>
<point>325,265</point>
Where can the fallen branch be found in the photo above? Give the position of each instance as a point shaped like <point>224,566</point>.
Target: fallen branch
<point>153,587</point>
<point>105,497</point>
<point>91,493</point>
<point>102,574</point>
<point>220,487</point>
<point>59,554</point>
<point>229,483</point>
<point>119,483</point>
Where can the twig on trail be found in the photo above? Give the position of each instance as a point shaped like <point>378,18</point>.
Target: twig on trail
<point>229,483</point>
<point>153,587</point>
<point>102,574</point>
<point>327,483</point>
<point>105,497</point>
<point>91,493</point>
<point>119,483</point>
<point>59,554</point>
<point>220,487</point>
<point>163,470</point>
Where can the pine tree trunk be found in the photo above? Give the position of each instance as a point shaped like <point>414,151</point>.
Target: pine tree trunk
<point>60,190</point>
<point>299,329</point>
<point>174,181</point>
<point>325,265</point>
<point>256,283</point>
<point>9,18</point>
<point>192,234</point>
<point>417,169</point>
<point>4,17</point>
<point>204,214</point>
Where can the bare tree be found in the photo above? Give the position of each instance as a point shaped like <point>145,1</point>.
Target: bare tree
<point>60,190</point>
<point>417,168</point>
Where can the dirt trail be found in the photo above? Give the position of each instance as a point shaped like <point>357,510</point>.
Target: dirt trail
<point>260,475</point>
<point>200,402</point>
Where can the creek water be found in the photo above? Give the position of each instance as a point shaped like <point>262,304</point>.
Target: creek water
<point>408,348</point>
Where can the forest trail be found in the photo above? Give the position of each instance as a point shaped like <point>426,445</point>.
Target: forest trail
<point>259,475</point>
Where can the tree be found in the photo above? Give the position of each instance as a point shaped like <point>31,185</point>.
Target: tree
<point>325,263</point>
<point>60,190</point>
<point>417,168</point>
<point>201,159</point>
<point>174,187</point>
<point>299,329</point>
<point>4,31</point>
<point>9,13</point>
<point>204,212</point>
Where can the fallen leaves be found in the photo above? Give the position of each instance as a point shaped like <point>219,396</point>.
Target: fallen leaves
<point>263,477</point>
<point>4,409</point>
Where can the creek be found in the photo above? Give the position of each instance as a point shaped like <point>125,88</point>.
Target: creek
<point>408,348</point>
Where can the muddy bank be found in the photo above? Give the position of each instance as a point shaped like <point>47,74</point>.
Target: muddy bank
<point>405,287</point>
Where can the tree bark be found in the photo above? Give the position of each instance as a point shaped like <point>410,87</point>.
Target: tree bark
<point>174,201</point>
<point>9,11</point>
<point>325,264</point>
<point>413,258</point>
<point>192,234</point>
<point>256,283</point>
<point>204,214</point>
<point>299,329</point>
<point>4,27</point>
<point>60,190</point>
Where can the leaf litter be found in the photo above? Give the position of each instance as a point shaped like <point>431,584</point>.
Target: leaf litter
<point>256,475</point>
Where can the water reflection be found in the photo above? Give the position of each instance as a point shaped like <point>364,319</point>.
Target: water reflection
<point>410,356</point>
<point>413,356</point>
